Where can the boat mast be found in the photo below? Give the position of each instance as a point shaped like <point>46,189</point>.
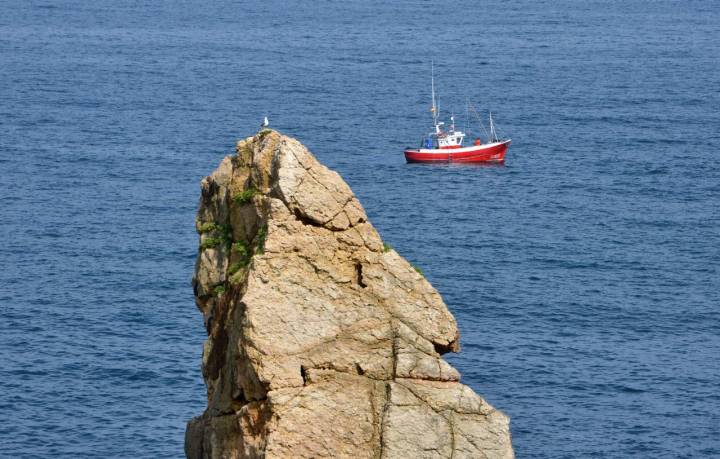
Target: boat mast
<point>434,108</point>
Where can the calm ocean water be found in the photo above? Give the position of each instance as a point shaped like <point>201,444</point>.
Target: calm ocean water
<point>583,274</point>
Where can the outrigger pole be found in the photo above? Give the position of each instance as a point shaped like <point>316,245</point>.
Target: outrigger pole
<point>482,125</point>
<point>467,114</point>
<point>493,134</point>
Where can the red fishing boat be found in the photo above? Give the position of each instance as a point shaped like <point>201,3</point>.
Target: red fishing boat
<point>447,146</point>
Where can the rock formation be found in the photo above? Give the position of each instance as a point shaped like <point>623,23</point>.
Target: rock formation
<point>322,341</point>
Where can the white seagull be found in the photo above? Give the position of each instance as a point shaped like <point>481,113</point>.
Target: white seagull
<point>265,122</point>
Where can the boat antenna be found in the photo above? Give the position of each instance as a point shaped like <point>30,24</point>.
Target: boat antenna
<point>434,108</point>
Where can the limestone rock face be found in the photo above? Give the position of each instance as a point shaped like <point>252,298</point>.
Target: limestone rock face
<point>322,341</point>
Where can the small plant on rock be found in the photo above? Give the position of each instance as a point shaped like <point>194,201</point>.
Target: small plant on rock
<point>245,196</point>
<point>240,249</point>
<point>260,239</point>
<point>235,267</point>
<point>211,242</point>
<point>242,253</point>
<point>261,135</point>
<point>208,227</point>
<point>221,234</point>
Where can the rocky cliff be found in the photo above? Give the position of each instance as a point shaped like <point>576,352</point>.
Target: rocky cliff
<point>322,341</point>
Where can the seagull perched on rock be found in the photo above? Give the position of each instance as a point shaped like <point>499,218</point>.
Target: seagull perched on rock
<point>265,122</point>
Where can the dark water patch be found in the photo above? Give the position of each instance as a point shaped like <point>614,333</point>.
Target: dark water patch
<point>583,273</point>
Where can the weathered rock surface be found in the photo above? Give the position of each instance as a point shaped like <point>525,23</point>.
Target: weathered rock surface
<point>322,341</point>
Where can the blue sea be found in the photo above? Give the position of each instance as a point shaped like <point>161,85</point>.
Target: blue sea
<point>584,274</point>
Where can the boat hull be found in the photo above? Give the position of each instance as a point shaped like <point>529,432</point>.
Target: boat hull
<point>490,153</point>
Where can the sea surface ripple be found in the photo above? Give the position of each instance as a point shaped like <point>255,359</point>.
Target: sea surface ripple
<point>583,273</point>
